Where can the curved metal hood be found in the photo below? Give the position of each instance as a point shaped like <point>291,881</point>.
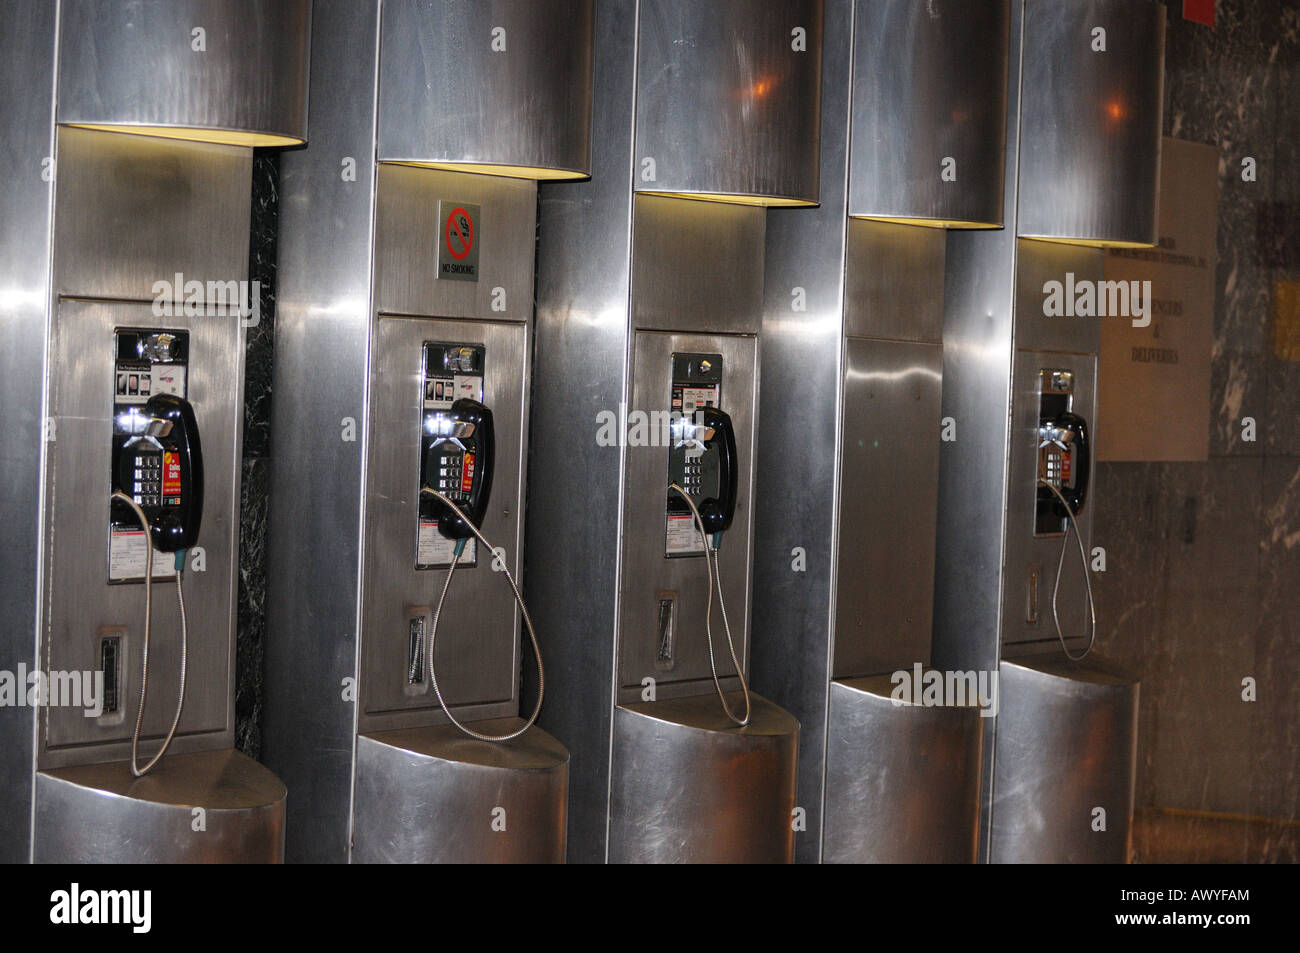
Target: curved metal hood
<point>1091,121</point>
<point>228,71</point>
<point>929,112</point>
<point>728,100</point>
<point>501,87</point>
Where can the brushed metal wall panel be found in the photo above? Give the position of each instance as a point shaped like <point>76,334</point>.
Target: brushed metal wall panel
<point>407,236</point>
<point>1026,553</point>
<point>132,63</point>
<point>801,354</point>
<point>890,475</point>
<point>929,85</point>
<point>692,788</point>
<point>1038,263</point>
<point>79,599</point>
<point>100,814</point>
<point>697,267</point>
<point>479,636</point>
<point>978,343</point>
<point>323,321</point>
<point>1090,159</point>
<point>571,565</point>
<point>430,796</point>
<point>647,571</point>
<point>447,95</point>
<point>724,103</point>
<point>133,210</point>
<point>27,46</point>
<point>892,284</point>
<point>902,781</point>
<point>1067,745</point>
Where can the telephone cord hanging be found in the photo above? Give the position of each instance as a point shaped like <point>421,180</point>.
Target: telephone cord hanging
<point>136,770</point>
<point>714,569</point>
<point>1072,523</point>
<point>437,612</point>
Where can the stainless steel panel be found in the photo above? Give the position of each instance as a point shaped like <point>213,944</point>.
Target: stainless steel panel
<point>691,787</point>
<point>1090,162</point>
<point>79,599</point>
<point>26,114</point>
<point>1038,263</point>
<point>725,105</point>
<point>978,341</point>
<point>929,85</point>
<point>449,94</point>
<point>407,236</point>
<point>890,473</point>
<point>646,570</point>
<point>892,282</point>
<point>572,548</point>
<point>798,441</point>
<point>697,267</point>
<point>479,634</point>
<point>434,796</point>
<point>1026,552</point>
<point>323,320</point>
<point>902,781</point>
<point>122,62</point>
<point>100,814</point>
<point>1067,745</point>
<point>134,210</point>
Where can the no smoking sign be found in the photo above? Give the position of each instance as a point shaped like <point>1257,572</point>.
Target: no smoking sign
<point>458,240</point>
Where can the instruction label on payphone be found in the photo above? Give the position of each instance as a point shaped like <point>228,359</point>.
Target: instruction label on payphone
<point>451,371</point>
<point>696,383</point>
<point>148,362</point>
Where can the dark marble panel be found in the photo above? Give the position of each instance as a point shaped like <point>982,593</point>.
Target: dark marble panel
<point>1222,87</point>
<point>252,605</point>
<point>1128,523</point>
<point>259,352</point>
<point>1276,714</point>
<point>1205,643</point>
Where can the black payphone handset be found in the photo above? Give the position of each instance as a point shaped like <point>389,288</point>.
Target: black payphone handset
<point>157,484</point>
<point>1064,471</point>
<point>457,461</point>
<point>703,474</point>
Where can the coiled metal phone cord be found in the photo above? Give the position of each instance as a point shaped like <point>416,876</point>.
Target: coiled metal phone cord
<point>715,572</point>
<point>1071,523</point>
<point>528,623</point>
<point>136,770</point>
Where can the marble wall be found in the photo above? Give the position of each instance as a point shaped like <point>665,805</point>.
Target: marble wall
<point>1203,581</point>
<point>255,471</point>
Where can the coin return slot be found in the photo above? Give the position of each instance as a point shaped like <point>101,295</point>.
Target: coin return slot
<point>667,629</point>
<point>110,664</point>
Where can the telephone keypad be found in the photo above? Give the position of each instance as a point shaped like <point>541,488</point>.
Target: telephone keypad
<point>147,486</point>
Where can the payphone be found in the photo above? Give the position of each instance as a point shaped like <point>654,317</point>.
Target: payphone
<point>157,498</point>
<point>457,460</point>
<point>702,481</point>
<point>1064,468</point>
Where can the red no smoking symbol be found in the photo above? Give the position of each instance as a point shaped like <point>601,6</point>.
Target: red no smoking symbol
<point>461,226</point>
